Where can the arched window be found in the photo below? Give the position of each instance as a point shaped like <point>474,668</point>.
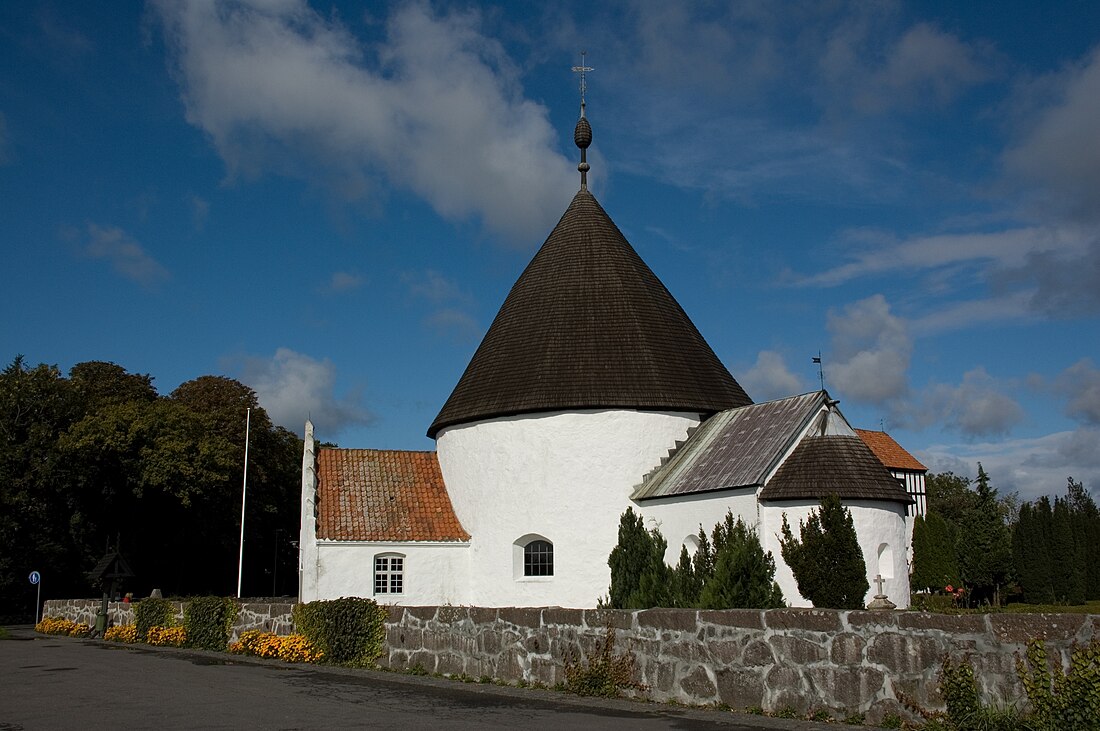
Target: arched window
<point>538,558</point>
<point>885,561</point>
<point>389,573</point>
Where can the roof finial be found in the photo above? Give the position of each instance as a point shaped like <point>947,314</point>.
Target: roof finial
<point>582,134</point>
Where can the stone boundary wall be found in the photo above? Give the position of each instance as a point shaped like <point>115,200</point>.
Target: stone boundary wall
<point>805,659</point>
<point>270,616</point>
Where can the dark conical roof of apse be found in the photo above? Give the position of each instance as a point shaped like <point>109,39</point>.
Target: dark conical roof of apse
<point>588,325</point>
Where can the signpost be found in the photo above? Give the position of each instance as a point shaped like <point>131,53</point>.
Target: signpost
<point>36,580</point>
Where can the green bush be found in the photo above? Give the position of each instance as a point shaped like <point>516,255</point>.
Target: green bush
<point>153,612</point>
<point>349,631</point>
<point>208,621</point>
<point>827,562</point>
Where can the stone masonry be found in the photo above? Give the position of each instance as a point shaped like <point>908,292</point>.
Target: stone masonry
<point>804,659</point>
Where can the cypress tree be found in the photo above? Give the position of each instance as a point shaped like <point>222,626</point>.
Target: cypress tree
<point>685,583</point>
<point>1067,575</point>
<point>744,575</point>
<point>639,577</point>
<point>983,544</point>
<point>934,562</point>
<point>1086,527</point>
<point>827,562</point>
<point>1031,552</point>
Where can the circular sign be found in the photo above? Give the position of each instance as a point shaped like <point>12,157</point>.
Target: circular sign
<point>35,577</point>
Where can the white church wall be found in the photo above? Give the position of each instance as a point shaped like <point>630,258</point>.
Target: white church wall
<point>679,517</point>
<point>563,476</point>
<point>433,573</point>
<point>881,528</point>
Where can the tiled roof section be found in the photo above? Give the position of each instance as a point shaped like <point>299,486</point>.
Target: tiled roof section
<point>589,325</point>
<point>736,448</point>
<point>840,465</point>
<point>889,452</point>
<point>383,495</point>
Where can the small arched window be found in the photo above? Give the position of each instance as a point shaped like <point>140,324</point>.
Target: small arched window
<point>538,558</point>
<point>886,561</point>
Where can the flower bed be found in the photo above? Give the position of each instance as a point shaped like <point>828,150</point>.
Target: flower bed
<point>59,626</point>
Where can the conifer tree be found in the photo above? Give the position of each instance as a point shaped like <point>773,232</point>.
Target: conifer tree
<point>983,544</point>
<point>639,577</point>
<point>1067,569</point>
<point>934,562</point>
<point>685,584</point>
<point>1086,527</point>
<point>827,562</point>
<point>1031,552</point>
<point>744,575</point>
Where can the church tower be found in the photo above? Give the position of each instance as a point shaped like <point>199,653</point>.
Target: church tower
<point>590,372</point>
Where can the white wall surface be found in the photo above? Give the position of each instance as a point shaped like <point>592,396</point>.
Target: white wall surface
<point>680,517</point>
<point>876,523</point>
<point>565,476</point>
<point>434,573</point>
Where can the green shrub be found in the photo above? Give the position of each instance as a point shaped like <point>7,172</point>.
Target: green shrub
<point>153,612</point>
<point>827,562</point>
<point>605,674</point>
<point>349,631</point>
<point>208,621</point>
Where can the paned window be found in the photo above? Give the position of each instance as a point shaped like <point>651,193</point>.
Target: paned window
<point>538,558</point>
<point>389,574</point>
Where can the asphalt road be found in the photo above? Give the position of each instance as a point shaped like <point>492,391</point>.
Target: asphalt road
<point>64,683</point>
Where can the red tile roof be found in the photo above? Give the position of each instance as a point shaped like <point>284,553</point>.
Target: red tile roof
<point>889,452</point>
<point>383,495</point>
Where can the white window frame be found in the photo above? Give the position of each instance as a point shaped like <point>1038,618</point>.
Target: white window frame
<point>519,558</point>
<point>392,576</point>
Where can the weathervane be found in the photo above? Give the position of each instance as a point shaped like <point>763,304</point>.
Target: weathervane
<point>820,370</point>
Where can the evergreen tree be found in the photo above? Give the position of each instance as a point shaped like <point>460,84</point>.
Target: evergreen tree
<point>639,577</point>
<point>685,583</point>
<point>1067,574</point>
<point>983,545</point>
<point>827,562</point>
<point>1086,527</point>
<point>934,562</point>
<point>744,575</point>
<point>1031,552</point>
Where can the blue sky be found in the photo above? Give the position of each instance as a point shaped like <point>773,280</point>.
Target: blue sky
<point>329,201</point>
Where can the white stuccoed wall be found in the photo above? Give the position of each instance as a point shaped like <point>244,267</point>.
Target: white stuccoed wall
<point>680,517</point>
<point>564,476</point>
<point>435,573</point>
<point>876,523</point>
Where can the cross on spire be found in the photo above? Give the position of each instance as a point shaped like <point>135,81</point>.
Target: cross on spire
<point>582,69</point>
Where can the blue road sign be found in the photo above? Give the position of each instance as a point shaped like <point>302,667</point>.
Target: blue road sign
<point>35,577</point>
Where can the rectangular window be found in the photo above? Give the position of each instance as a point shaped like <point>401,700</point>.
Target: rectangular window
<point>389,574</point>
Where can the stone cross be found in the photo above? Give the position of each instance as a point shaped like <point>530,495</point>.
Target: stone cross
<point>879,580</point>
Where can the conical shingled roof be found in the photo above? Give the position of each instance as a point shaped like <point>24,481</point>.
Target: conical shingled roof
<point>589,325</point>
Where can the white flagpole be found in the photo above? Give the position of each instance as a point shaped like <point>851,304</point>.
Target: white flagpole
<point>244,495</point>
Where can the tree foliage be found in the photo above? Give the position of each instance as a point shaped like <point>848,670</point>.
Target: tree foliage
<point>99,458</point>
<point>729,570</point>
<point>1056,548</point>
<point>826,559</point>
<point>934,562</point>
<point>983,544</point>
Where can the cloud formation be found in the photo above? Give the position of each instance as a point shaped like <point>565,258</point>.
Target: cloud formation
<point>292,386</point>
<point>450,316</point>
<point>770,378</point>
<point>870,353</point>
<point>126,256</point>
<point>435,108</point>
<point>1080,384</point>
<point>977,407</point>
<point>343,282</point>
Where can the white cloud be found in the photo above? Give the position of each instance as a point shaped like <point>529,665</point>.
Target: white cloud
<point>127,257</point>
<point>433,286</point>
<point>1059,149</point>
<point>870,353</point>
<point>1032,466</point>
<point>450,317</point>
<point>292,386</point>
<point>977,407</point>
<point>769,378</point>
<point>436,108</point>
<point>457,325</point>
<point>1080,384</point>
